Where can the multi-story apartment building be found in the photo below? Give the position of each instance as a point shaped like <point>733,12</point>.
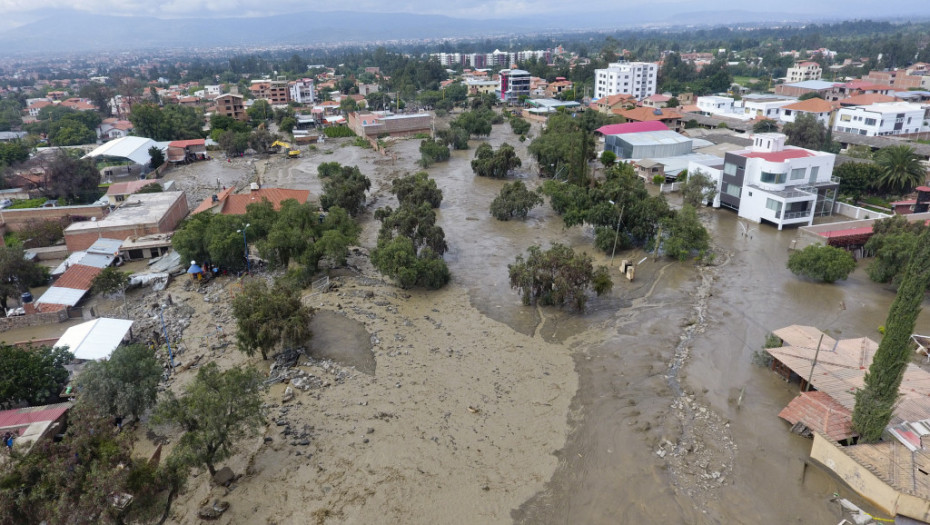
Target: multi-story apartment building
<point>893,118</point>
<point>774,183</point>
<point>804,71</point>
<point>231,105</point>
<point>301,91</point>
<point>276,92</point>
<point>496,58</point>
<point>513,84</point>
<point>634,78</point>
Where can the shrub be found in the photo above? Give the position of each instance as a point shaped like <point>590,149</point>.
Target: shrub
<point>338,131</point>
<point>514,200</point>
<point>658,179</point>
<point>824,263</point>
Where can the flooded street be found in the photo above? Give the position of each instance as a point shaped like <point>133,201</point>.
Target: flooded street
<point>645,409</point>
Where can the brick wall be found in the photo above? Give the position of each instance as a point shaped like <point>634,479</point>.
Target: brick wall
<point>19,219</point>
<point>22,321</point>
<point>84,239</point>
<point>175,215</point>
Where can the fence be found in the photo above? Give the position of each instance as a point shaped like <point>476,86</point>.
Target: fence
<point>855,212</point>
<point>669,187</point>
<point>319,286</point>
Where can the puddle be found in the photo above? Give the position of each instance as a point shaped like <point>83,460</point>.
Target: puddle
<point>343,340</point>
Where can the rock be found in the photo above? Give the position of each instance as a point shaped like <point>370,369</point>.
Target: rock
<point>223,476</point>
<point>303,442</point>
<point>288,395</point>
<point>661,452</point>
<point>268,439</point>
<point>212,512</point>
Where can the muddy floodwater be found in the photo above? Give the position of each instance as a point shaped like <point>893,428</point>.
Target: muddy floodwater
<point>343,340</point>
<point>669,421</point>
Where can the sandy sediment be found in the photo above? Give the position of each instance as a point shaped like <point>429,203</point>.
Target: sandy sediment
<point>458,424</point>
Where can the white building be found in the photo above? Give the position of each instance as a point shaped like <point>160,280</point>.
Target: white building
<point>720,106</point>
<point>820,108</point>
<point>763,106</point>
<point>892,118</point>
<point>804,71</point>
<point>774,183</point>
<point>302,91</point>
<point>633,78</point>
<point>213,90</point>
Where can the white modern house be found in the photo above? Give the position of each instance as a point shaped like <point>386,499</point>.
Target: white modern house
<point>302,91</point>
<point>774,183</point>
<point>719,106</point>
<point>763,106</point>
<point>633,78</point>
<point>891,118</point>
<point>818,107</point>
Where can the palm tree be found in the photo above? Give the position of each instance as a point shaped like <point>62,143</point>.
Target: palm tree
<point>900,169</point>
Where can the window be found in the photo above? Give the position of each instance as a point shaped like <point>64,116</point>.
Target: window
<point>814,171</point>
<point>731,189</point>
<point>870,122</point>
<point>787,112</point>
<point>772,178</point>
<point>773,205</point>
<point>729,169</point>
<point>797,173</point>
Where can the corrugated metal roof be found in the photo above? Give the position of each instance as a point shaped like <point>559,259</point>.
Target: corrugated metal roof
<point>95,340</point>
<point>20,417</point>
<point>647,138</point>
<point>61,296</point>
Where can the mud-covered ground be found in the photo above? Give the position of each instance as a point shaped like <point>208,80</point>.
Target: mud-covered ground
<point>464,406</point>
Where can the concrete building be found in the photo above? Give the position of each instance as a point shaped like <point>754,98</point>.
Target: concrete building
<point>513,84</point>
<point>227,203</point>
<point>820,108</point>
<point>142,214</point>
<point>276,92</point>
<point>477,86</point>
<point>796,89</point>
<point>895,118</point>
<point>231,105</point>
<point>635,78</point>
<point>804,71</point>
<point>373,124</point>
<point>302,91</point>
<point>774,183</point>
<point>717,105</point>
<point>763,106</point>
<point>648,144</point>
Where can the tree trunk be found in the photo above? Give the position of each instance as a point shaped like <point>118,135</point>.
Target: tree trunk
<point>171,495</point>
<point>211,468</point>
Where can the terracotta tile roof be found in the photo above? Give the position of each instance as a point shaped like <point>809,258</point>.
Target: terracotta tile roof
<point>866,100</point>
<point>78,277</point>
<point>208,202</point>
<point>186,143</point>
<point>128,187</point>
<point>648,114</point>
<point>818,411</point>
<point>865,85</point>
<point>811,105</point>
<point>658,98</point>
<point>236,204</point>
<point>124,125</point>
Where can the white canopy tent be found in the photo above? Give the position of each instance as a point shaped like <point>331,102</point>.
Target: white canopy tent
<point>95,340</point>
<point>135,149</point>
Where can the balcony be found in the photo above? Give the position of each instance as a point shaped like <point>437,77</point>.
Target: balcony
<point>789,215</point>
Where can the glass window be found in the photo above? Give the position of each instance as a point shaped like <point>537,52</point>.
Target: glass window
<point>729,169</point>
<point>870,122</point>
<point>731,189</point>
<point>814,171</point>
<point>772,178</point>
<point>797,173</point>
<point>774,205</point>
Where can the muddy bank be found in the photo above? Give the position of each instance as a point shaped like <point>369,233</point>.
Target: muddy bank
<point>338,338</point>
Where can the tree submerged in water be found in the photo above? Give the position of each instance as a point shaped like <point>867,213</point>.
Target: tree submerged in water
<point>558,276</point>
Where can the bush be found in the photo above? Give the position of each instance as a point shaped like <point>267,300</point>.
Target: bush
<point>557,277</point>
<point>362,142</point>
<point>334,132</point>
<point>519,126</point>
<point>488,163</point>
<point>514,200</point>
<point>110,281</point>
<point>823,263</point>
<point>432,152</point>
<point>658,179</point>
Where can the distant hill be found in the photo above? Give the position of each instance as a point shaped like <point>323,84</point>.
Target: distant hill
<point>80,31</point>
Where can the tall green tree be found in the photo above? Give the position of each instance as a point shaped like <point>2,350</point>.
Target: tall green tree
<point>345,189</point>
<point>806,132</point>
<point>857,178</point>
<point>217,409</point>
<point>557,276</point>
<point>875,402</point>
<point>496,164</point>
<point>684,234</point>
<point>156,157</point>
<point>900,169</point>
<point>698,189</point>
<point>824,263</point>
<point>270,318</point>
<point>19,274</point>
<point>125,384</point>
<point>32,376</point>
<point>514,200</point>
<point>417,188</point>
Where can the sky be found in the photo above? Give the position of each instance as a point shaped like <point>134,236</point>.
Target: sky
<point>18,12</point>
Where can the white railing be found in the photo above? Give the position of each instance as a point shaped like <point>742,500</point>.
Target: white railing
<point>855,212</point>
<point>669,187</point>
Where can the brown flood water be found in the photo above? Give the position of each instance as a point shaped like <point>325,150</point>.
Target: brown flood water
<point>624,349</point>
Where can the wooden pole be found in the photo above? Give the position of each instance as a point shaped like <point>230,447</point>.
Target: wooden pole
<point>810,376</point>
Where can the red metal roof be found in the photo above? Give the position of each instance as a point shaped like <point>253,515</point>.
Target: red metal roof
<point>779,156</point>
<point>632,127</point>
<point>923,188</point>
<point>78,277</point>
<point>22,417</point>
<point>865,230</point>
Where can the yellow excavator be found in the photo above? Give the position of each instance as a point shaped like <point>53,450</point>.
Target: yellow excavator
<point>291,153</point>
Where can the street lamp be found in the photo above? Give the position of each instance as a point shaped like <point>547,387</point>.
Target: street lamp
<point>248,265</point>
<point>617,236</point>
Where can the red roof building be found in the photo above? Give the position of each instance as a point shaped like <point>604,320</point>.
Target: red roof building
<point>228,204</point>
<point>819,412</point>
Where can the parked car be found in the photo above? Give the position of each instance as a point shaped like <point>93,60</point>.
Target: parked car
<point>5,203</point>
